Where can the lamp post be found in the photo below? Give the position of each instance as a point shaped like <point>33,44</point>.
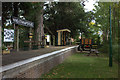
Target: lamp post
<point>80,36</point>
<point>110,43</point>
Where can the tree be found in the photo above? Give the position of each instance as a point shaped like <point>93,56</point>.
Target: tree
<point>65,15</point>
<point>28,11</point>
<point>102,18</point>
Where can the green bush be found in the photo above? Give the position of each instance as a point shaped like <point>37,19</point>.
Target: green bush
<point>26,46</point>
<point>105,49</point>
<point>4,48</point>
<point>115,52</point>
<point>34,47</point>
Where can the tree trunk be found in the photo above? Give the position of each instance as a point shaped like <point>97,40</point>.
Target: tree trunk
<point>40,29</point>
<point>113,31</point>
<point>104,38</point>
<point>15,13</point>
<point>118,20</point>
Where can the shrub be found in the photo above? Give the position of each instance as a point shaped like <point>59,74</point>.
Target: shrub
<point>105,49</point>
<point>115,52</point>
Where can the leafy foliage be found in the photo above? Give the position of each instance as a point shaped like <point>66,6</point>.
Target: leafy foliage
<point>65,15</point>
<point>102,18</point>
<point>28,11</point>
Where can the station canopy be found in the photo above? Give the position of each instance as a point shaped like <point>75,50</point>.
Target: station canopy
<point>67,30</point>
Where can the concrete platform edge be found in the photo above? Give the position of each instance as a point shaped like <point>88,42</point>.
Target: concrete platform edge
<point>26,68</point>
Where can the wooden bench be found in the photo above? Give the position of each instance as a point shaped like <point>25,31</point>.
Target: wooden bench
<point>34,44</point>
<point>93,51</point>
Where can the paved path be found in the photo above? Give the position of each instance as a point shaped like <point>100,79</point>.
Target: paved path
<point>22,55</point>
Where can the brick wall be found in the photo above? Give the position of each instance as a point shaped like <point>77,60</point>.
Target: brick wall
<point>36,68</point>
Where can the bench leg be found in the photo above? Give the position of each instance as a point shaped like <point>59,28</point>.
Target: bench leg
<point>89,54</point>
<point>96,54</point>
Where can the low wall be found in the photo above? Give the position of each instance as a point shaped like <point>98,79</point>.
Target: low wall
<point>34,67</point>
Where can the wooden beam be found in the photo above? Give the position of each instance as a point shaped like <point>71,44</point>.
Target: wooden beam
<point>30,44</point>
<point>63,30</point>
<point>0,39</point>
<point>17,39</point>
<point>59,38</point>
<point>64,39</point>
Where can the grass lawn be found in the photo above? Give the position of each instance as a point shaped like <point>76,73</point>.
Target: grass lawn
<point>81,66</point>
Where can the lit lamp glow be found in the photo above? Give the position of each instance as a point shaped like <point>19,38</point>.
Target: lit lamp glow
<point>80,36</point>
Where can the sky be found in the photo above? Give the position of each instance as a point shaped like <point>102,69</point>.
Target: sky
<point>89,5</point>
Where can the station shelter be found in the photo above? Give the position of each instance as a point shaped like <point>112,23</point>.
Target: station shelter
<point>63,37</point>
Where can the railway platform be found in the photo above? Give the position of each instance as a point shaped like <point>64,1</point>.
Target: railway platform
<point>23,55</point>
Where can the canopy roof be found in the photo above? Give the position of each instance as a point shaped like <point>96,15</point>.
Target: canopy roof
<point>63,30</point>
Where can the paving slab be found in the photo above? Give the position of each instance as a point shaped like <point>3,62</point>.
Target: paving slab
<point>22,55</point>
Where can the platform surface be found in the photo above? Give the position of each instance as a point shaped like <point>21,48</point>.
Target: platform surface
<point>23,55</point>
